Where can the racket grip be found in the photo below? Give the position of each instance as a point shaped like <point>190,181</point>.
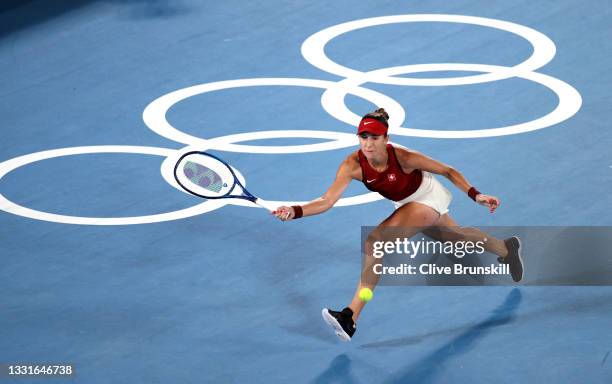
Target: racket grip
<point>265,204</point>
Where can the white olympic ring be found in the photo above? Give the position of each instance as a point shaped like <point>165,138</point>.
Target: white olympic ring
<point>167,173</point>
<point>313,49</point>
<point>9,206</point>
<point>154,117</point>
<point>569,101</point>
<point>167,170</point>
<point>333,101</point>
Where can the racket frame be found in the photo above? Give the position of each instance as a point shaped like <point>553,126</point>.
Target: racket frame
<point>246,195</point>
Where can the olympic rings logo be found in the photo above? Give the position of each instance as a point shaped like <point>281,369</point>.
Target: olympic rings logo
<point>332,100</point>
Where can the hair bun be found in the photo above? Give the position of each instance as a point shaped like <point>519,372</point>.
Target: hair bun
<point>380,114</point>
<point>383,113</point>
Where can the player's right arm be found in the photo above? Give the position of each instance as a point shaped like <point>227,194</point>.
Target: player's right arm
<point>348,170</point>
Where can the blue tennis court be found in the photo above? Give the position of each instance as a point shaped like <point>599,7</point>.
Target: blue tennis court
<point>110,267</point>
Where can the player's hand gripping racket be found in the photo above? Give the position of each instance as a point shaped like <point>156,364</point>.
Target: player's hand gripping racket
<point>207,176</point>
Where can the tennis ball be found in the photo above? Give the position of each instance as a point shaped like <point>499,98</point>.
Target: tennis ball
<point>365,294</point>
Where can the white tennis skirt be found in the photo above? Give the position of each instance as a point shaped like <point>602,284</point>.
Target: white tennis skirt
<point>431,193</point>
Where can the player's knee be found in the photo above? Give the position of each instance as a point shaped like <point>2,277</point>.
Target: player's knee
<point>452,234</point>
<point>375,236</point>
<point>374,245</point>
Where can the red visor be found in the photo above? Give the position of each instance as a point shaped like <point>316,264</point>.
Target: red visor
<point>372,126</point>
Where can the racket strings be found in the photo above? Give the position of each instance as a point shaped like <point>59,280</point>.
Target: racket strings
<point>203,176</point>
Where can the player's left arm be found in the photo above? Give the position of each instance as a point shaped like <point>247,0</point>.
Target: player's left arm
<point>410,160</point>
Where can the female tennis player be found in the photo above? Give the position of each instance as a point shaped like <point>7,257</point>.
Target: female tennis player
<point>421,205</point>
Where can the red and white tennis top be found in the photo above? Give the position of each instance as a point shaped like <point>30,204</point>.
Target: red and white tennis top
<point>392,183</point>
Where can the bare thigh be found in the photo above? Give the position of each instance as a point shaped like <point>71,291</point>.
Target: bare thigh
<point>409,220</point>
<point>412,218</point>
<point>446,229</point>
<point>413,215</point>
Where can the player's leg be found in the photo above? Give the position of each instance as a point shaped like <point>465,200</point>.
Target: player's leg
<point>412,217</point>
<point>446,229</point>
<point>508,250</point>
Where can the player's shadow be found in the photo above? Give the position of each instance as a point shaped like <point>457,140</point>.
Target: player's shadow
<point>425,369</point>
<point>339,371</point>
<point>600,305</point>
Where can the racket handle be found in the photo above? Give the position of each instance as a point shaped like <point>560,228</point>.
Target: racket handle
<point>265,204</point>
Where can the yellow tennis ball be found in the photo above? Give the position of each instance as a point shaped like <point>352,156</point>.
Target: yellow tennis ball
<point>365,294</point>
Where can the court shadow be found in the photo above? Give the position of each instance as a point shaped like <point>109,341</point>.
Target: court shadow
<point>151,9</point>
<point>7,5</point>
<point>338,371</point>
<point>16,15</point>
<point>425,369</point>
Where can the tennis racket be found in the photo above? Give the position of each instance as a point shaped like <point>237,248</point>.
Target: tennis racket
<point>207,176</point>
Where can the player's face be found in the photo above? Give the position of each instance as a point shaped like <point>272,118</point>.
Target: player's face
<point>373,146</point>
